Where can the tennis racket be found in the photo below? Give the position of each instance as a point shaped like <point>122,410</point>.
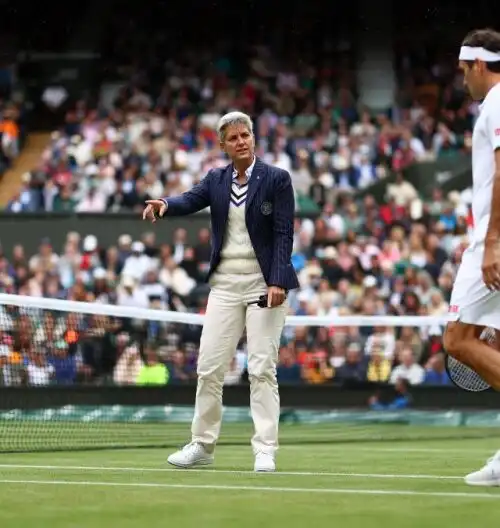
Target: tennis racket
<point>463,376</point>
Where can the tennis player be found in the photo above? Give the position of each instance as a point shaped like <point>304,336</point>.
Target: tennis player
<point>475,300</point>
<point>252,210</point>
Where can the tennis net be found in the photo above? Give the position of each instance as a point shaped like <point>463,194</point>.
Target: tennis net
<point>92,376</point>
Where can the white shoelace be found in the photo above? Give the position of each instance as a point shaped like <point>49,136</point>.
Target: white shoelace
<point>191,447</point>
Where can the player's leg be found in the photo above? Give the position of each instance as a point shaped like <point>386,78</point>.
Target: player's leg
<point>264,328</point>
<point>489,474</point>
<point>472,308</point>
<point>462,341</point>
<point>222,329</point>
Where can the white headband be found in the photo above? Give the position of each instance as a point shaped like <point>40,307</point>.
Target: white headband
<point>468,53</point>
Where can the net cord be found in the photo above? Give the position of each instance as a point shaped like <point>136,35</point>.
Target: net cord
<point>168,316</point>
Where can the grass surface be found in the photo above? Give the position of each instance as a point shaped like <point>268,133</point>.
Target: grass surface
<point>373,483</point>
<point>25,436</point>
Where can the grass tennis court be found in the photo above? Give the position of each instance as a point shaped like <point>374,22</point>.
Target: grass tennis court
<point>25,436</point>
<point>403,483</point>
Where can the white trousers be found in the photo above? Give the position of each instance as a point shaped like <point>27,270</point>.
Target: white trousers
<point>225,319</point>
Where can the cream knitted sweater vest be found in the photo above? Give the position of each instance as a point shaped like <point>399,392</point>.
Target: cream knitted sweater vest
<point>237,255</point>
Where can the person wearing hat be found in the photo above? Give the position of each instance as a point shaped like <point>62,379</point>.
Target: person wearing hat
<point>138,263</point>
<point>90,256</point>
<point>101,288</point>
<point>252,210</point>
<point>130,295</point>
<point>65,365</point>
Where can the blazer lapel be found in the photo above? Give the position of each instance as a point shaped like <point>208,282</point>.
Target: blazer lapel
<point>258,174</point>
<point>226,182</point>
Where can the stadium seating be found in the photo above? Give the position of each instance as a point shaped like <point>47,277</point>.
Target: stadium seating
<point>156,136</point>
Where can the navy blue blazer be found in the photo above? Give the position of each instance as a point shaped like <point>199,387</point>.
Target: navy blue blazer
<point>270,211</point>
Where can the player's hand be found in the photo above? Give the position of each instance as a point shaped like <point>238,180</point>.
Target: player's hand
<point>491,266</point>
<point>275,296</point>
<point>153,209</point>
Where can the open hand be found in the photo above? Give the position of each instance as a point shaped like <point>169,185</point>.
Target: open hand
<point>153,209</point>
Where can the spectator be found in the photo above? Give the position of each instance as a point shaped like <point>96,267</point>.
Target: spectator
<point>288,369</point>
<point>175,278</point>
<point>354,368</point>
<point>38,371</point>
<point>65,366</point>
<point>435,372</point>
<point>152,372</point>
<point>408,369</point>
<point>4,365</point>
<point>46,260</point>
<point>402,192</point>
<point>379,367</point>
<point>64,202</point>
<point>316,368</point>
<point>130,295</point>
<point>381,340</point>
<point>180,371</point>
<point>10,134</point>
<point>402,400</point>
<point>138,263</point>
<point>202,252</point>
<point>128,367</point>
<point>94,200</point>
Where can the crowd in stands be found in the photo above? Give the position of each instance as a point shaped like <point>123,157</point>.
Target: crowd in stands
<point>158,138</point>
<point>353,259</point>
<point>11,132</point>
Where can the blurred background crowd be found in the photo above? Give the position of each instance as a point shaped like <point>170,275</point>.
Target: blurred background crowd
<point>151,133</point>
<point>11,130</point>
<point>156,137</point>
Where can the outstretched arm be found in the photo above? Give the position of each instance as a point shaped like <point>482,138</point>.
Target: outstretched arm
<point>192,201</point>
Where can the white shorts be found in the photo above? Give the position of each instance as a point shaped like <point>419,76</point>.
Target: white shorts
<point>471,301</point>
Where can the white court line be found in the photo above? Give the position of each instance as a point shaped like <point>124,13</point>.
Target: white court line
<point>229,471</point>
<point>211,487</point>
<point>376,449</point>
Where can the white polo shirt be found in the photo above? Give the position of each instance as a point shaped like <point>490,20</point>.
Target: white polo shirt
<point>485,140</point>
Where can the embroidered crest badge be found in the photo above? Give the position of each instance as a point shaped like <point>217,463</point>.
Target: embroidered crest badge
<point>266,208</point>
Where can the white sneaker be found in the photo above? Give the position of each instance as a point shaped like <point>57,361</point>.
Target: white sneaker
<point>489,475</point>
<point>192,454</point>
<point>264,462</point>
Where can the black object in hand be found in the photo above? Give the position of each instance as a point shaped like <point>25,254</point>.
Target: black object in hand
<point>262,302</point>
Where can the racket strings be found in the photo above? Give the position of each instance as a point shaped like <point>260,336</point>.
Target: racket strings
<point>462,375</point>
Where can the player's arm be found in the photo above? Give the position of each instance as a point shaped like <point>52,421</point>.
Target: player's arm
<point>491,260</point>
<point>189,202</point>
<point>493,232</point>
<point>192,201</point>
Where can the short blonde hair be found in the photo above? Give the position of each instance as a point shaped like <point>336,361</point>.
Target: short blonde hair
<point>233,118</point>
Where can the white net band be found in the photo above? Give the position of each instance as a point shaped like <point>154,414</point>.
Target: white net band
<point>23,301</point>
